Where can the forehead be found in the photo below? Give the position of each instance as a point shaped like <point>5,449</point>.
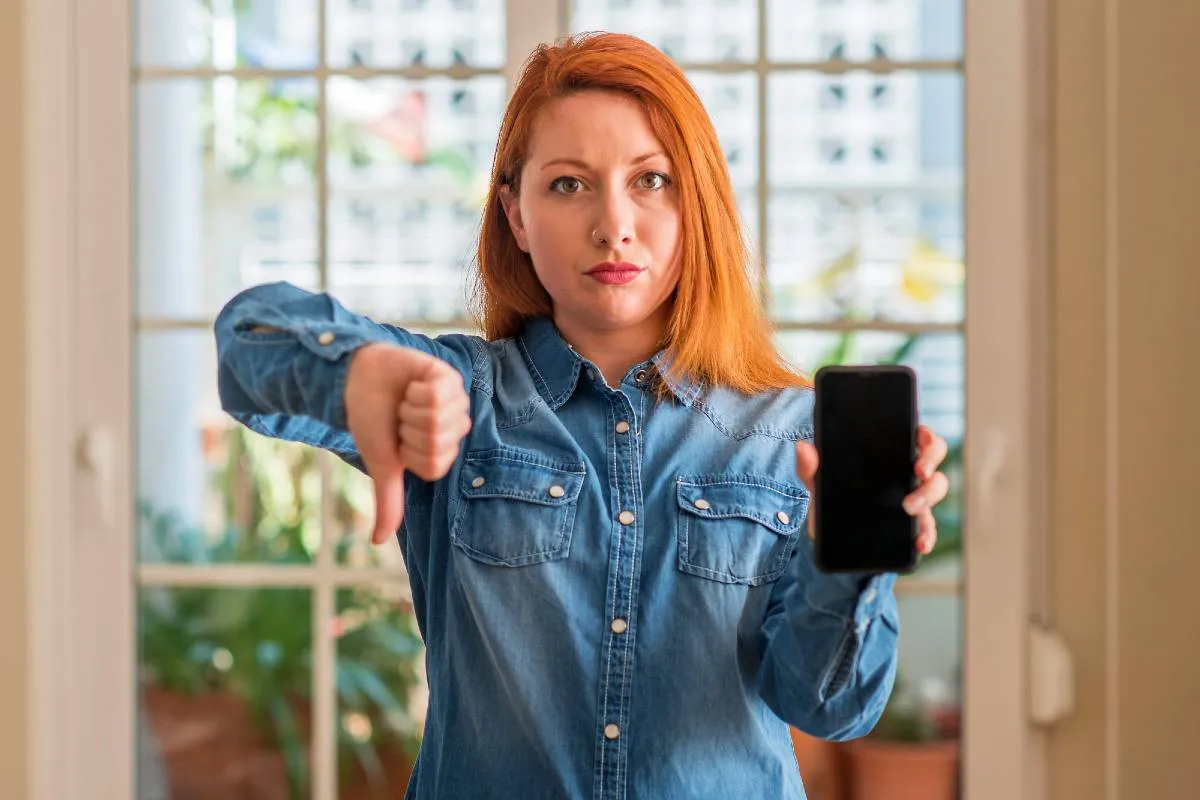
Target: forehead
<point>592,125</point>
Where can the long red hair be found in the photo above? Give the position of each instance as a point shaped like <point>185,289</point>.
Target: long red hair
<point>718,331</point>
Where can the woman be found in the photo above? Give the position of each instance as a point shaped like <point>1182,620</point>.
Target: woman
<point>600,503</point>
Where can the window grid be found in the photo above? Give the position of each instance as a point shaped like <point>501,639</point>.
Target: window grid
<point>326,576</point>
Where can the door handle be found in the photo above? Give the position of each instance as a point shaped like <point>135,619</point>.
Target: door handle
<point>96,455</point>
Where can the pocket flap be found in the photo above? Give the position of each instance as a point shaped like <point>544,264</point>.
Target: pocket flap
<point>496,474</point>
<point>777,506</point>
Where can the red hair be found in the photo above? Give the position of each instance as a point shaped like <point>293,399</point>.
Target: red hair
<point>718,331</point>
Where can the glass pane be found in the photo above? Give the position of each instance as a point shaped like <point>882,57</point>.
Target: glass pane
<point>408,167</point>
<point>404,33</point>
<point>208,489</point>
<point>381,688</point>
<point>225,190</point>
<point>278,34</point>
<point>732,103</point>
<point>226,689</point>
<point>866,211</point>
<point>695,31</point>
<point>862,30</point>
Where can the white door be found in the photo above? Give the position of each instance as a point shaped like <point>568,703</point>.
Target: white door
<point>228,627</point>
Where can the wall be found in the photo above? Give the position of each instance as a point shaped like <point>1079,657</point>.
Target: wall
<point>13,413</point>
<point>1126,293</point>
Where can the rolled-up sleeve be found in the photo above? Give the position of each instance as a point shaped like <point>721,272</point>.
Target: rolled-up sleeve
<point>829,648</point>
<point>283,356</point>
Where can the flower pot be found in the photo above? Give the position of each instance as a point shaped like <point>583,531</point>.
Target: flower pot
<point>884,770</point>
<point>209,746</point>
<point>820,766</point>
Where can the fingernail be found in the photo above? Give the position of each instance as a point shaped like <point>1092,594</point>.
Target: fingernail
<point>913,504</point>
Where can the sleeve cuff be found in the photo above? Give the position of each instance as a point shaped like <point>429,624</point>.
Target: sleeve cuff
<point>853,597</point>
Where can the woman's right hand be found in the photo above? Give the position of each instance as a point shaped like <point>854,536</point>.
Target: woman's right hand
<point>406,410</point>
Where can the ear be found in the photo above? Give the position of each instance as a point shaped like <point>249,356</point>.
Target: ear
<point>512,210</point>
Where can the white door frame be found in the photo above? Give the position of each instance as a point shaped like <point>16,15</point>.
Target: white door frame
<point>82,655</point>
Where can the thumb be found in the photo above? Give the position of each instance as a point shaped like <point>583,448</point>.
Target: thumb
<point>389,503</point>
<point>806,463</point>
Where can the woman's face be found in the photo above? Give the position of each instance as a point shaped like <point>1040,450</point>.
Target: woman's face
<point>598,213</point>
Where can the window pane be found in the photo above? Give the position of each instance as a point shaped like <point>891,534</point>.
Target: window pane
<point>732,103</point>
<point>862,30</point>
<point>937,359</point>
<point>408,167</point>
<point>226,690</point>
<point>225,190</point>
<point>696,31</point>
<point>404,33</point>
<point>381,690</point>
<point>226,33</point>
<point>865,216</point>
<point>208,489</point>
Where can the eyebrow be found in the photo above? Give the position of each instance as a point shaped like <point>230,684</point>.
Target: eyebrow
<point>574,162</point>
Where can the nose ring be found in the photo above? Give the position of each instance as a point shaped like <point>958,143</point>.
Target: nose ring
<point>596,237</point>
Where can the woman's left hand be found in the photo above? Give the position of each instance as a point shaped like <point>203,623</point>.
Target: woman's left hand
<point>932,488</point>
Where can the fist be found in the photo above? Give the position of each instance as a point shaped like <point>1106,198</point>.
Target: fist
<point>406,410</point>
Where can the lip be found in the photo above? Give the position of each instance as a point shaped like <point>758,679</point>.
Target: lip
<point>614,272</point>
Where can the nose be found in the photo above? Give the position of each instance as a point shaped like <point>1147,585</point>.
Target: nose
<point>614,222</point>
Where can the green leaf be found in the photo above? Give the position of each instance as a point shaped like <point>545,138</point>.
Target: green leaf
<point>369,684</point>
<point>293,747</point>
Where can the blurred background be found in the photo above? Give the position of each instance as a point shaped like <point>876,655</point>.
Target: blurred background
<point>267,135</point>
<point>345,146</point>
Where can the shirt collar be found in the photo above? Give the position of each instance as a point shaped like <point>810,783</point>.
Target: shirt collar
<point>556,367</point>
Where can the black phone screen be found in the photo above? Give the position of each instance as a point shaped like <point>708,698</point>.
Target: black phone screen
<point>866,442</point>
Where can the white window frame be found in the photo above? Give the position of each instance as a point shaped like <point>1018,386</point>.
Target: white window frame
<point>82,662</point>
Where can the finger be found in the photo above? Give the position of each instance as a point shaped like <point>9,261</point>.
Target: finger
<point>436,392</point>
<point>427,440</point>
<point>928,494</point>
<point>806,463</point>
<point>430,416</point>
<point>927,534</point>
<point>389,504</point>
<point>932,451</point>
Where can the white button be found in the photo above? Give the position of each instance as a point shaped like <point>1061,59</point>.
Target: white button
<point>783,517</point>
<point>480,481</point>
<point>325,338</point>
<point>622,427</point>
<point>611,731</point>
<point>557,491</point>
<point>703,504</point>
<point>869,596</point>
<point>626,517</point>
<point>640,376</point>
<point>619,625</point>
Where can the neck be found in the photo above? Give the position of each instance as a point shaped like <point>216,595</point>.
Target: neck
<point>614,351</point>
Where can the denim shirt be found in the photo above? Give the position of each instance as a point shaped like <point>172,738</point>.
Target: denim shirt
<point>616,593</point>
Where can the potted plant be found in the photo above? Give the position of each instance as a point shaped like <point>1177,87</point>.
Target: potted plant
<point>226,673</point>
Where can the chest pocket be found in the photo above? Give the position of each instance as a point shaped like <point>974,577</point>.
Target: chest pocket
<point>737,528</point>
<point>515,511</point>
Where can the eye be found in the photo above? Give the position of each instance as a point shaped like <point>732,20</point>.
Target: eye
<point>654,180</point>
<point>566,185</point>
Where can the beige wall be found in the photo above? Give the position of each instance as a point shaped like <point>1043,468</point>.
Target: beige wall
<point>13,417</point>
<point>1127,254</point>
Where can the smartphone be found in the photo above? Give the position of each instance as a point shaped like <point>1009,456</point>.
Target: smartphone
<point>866,439</point>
